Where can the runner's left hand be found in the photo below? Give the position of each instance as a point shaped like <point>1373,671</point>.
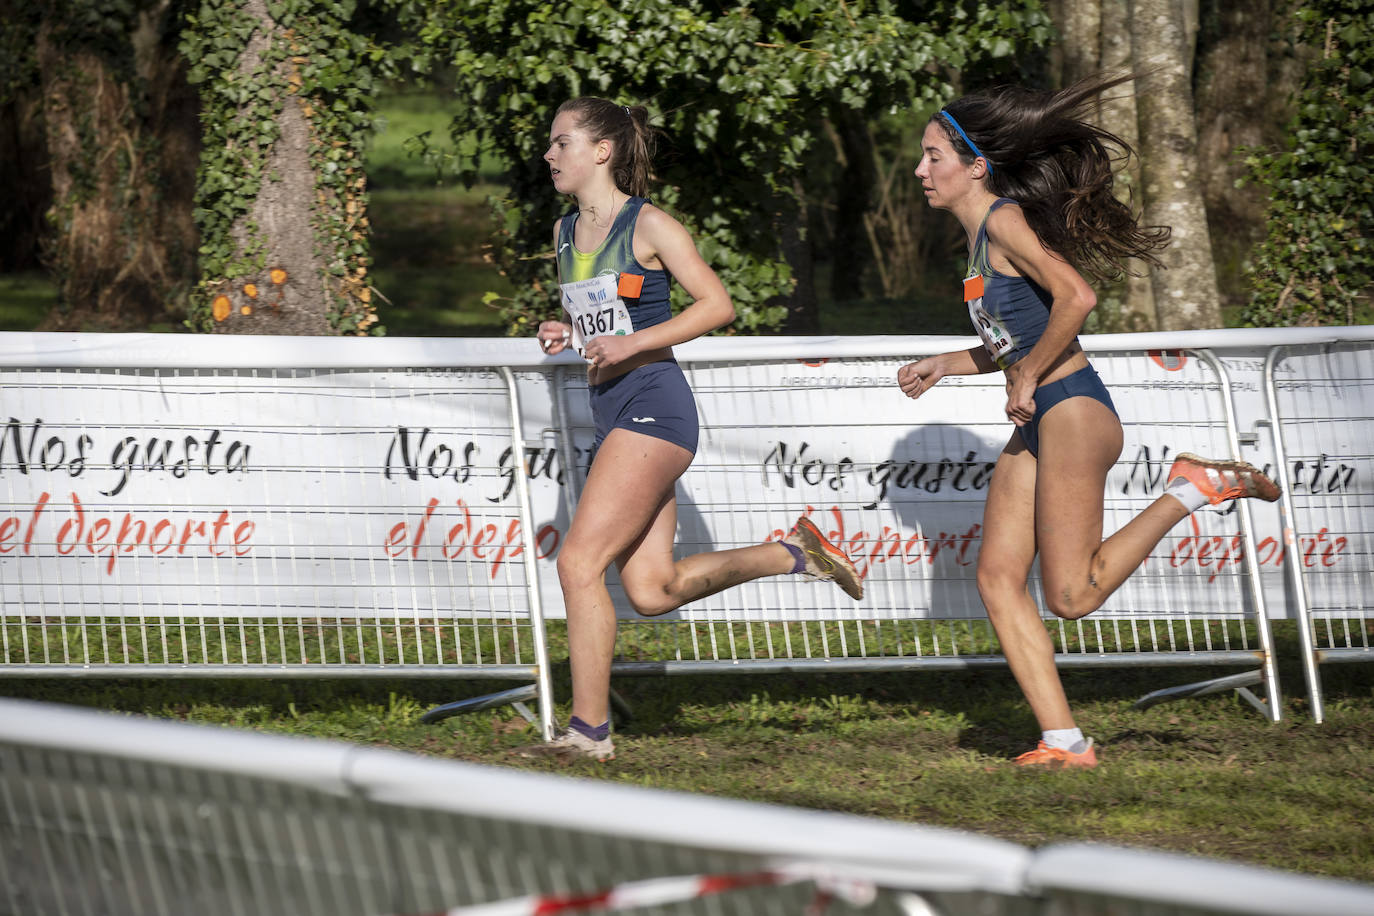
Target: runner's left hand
<point>610,350</point>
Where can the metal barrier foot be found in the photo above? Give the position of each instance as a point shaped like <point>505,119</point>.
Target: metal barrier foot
<point>620,710</point>
<point>1237,682</point>
<point>512,697</point>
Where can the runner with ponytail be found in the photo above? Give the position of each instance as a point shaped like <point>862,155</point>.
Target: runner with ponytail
<point>616,254</point>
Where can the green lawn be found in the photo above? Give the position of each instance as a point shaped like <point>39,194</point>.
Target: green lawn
<point>428,263</point>
<point>403,118</point>
<point>1207,776</point>
<point>25,298</point>
<point>427,230</point>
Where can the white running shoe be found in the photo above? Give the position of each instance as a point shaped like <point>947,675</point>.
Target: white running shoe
<point>571,745</point>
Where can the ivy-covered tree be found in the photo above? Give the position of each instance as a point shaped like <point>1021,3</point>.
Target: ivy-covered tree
<point>120,139</point>
<point>1318,256</point>
<point>286,90</point>
<point>741,91</point>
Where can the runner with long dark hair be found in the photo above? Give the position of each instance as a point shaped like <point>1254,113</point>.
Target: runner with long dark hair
<point>1030,180</point>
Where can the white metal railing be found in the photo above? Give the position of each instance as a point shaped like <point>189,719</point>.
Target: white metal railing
<point>1321,412</point>
<point>103,813</point>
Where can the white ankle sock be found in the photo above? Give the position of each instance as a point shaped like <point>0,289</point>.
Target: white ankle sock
<point>1186,492</point>
<point>1068,739</point>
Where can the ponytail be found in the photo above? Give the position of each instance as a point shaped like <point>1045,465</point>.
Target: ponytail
<point>627,128</point>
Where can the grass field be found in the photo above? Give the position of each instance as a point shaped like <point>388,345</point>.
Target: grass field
<point>24,299</point>
<point>428,263</point>
<point>427,231</point>
<point>1207,776</point>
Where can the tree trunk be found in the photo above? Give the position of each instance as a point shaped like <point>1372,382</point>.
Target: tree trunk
<point>121,147</point>
<point>24,175</point>
<point>1233,111</point>
<point>1189,11</point>
<point>1185,294</point>
<point>279,223</point>
<point>1136,311</point>
<point>849,252</point>
<point>1081,37</point>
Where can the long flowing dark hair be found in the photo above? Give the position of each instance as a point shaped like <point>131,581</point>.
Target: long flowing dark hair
<point>632,139</point>
<point>1045,155</point>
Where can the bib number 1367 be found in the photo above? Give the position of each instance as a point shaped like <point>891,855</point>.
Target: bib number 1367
<point>594,324</point>
<point>595,309</point>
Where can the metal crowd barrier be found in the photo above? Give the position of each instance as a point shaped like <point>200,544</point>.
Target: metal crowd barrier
<point>197,506</point>
<point>1321,405</point>
<point>101,813</point>
<point>872,493</point>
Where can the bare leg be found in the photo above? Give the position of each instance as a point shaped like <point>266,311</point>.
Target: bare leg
<point>1004,564</point>
<point>655,584</point>
<point>1080,440</point>
<point>627,514</point>
<point>1054,505</point>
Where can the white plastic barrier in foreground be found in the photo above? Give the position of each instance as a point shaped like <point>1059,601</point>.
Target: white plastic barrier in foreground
<point>108,814</point>
<point>208,506</point>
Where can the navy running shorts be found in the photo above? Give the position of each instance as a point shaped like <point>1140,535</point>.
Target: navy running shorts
<point>1083,383</point>
<point>653,399</point>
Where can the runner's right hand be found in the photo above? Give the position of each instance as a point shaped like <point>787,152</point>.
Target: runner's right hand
<point>915,379</point>
<point>554,336</point>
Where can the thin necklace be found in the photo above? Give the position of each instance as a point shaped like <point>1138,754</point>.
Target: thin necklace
<point>592,213</point>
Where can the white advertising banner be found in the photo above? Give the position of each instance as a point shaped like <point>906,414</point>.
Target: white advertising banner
<point>200,476</point>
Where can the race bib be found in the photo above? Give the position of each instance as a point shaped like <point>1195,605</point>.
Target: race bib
<point>596,309</point>
<point>995,338</point>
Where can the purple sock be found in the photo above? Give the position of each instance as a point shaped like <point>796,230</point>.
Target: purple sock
<point>796,555</point>
<point>595,732</point>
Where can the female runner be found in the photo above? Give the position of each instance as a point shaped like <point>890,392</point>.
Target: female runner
<point>616,254</point>
<point>1030,181</point>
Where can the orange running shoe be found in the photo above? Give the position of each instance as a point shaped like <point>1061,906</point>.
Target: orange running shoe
<point>1056,758</point>
<point>824,561</point>
<point>1223,480</point>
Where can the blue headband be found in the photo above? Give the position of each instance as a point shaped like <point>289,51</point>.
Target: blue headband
<point>971,145</point>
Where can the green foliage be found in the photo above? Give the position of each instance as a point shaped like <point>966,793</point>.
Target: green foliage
<point>100,27</point>
<point>741,92</point>
<point>1318,257</point>
<point>311,58</point>
<point>18,62</point>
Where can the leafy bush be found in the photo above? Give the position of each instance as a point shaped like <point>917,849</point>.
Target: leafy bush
<point>1317,258</point>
